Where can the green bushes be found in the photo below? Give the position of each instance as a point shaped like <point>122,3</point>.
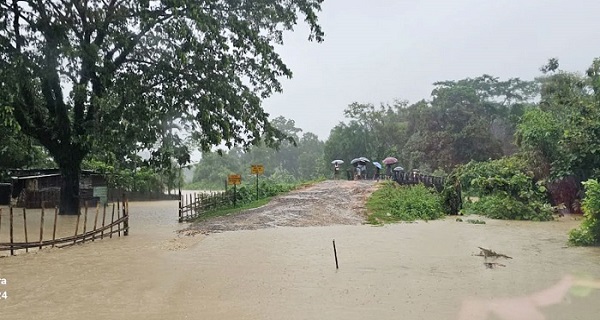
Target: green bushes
<point>506,190</point>
<point>247,192</point>
<point>589,232</point>
<point>393,202</point>
<point>503,206</point>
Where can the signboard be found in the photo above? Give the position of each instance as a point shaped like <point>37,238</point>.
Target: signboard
<point>257,169</point>
<point>234,179</point>
<point>102,193</point>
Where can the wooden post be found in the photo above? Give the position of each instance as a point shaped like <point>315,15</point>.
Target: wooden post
<point>12,250</point>
<point>123,214</point>
<point>85,220</point>
<point>191,204</point>
<point>103,220</point>
<point>126,214</point>
<point>76,228</point>
<point>195,204</point>
<point>335,255</point>
<point>54,231</point>
<point>112,220</point>
<point>42,226</point>
<point>25,226</point>
<point>180,208</point>
<point>118,213</point>
<point>0,221</point>
<point>95,222</point>
<point>234,194</point>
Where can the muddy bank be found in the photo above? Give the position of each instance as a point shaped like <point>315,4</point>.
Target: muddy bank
<point>326,203</point>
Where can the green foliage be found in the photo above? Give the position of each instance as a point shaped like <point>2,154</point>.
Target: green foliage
<point>245,196</point>
<point>538,135</point>
<point>16,149</point>
<point>290,163</point>
<point>475,221</point>
<point>113,74</point>
<point>503,206</point>
<point>247,192</point>
<point>468,119</point>
<point>588,232</point>
<point>404,203</point>
<point>451,195</point>
<point>228,210</point>
<point>506,190</point>
<point>562,135</point>
<point>142,179</point>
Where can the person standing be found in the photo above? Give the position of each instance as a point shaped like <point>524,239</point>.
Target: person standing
<point>336,171</point>
<point>376,176</point>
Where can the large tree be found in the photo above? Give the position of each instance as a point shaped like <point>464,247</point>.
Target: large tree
<point>79,75</point>
<point>563,134</point>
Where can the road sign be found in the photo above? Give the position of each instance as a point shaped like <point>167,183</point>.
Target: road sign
<point>257,169</point>
<point>234,179</point>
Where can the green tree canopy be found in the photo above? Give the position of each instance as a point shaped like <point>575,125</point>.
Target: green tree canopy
<point>82,75</point>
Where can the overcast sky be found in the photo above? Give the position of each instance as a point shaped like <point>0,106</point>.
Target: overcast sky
<point>381,50</point>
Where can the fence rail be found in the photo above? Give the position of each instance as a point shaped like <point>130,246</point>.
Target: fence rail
<point>410,178</point>
<point>194,205</point>
<point>100,229</point>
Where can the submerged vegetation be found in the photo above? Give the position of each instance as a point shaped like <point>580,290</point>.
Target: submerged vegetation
<point>589,231</point>
<point>505,189</point>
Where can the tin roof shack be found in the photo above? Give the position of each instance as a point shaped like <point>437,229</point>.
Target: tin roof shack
<point>31,189</point>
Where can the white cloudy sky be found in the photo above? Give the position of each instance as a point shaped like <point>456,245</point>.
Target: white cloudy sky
<point>380,50</point>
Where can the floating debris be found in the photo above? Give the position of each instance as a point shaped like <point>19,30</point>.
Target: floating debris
<point>489,253</point>
<point>475,221</point>
<point>492,265</point>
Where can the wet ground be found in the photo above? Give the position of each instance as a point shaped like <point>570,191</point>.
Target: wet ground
<point>401,271</point>
<point>333,202</point>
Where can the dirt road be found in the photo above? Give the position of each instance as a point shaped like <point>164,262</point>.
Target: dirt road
<point>338,202</point>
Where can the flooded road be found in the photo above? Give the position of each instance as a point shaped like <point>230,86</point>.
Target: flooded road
<point>402,271</point>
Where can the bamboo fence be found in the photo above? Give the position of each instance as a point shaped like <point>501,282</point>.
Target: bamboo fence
<point>101,228</point>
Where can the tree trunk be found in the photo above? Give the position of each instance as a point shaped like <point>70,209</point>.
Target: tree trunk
<point>69,190</point>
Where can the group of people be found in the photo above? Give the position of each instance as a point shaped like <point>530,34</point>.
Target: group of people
<point>360,172</point>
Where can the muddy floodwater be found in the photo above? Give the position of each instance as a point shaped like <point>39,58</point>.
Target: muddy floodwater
<point>424,270</point>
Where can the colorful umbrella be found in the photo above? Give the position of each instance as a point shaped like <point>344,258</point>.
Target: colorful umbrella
<point>390,160</point>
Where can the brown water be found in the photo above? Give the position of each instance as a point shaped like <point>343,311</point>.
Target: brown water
<point>404,271</point>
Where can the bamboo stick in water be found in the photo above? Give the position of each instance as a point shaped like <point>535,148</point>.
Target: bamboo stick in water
<point>54,231</point>
<point>85,220</point>
<point>103,220</point>
<point>42,227</point>
<point>25,227</point>
<point>95,222</point>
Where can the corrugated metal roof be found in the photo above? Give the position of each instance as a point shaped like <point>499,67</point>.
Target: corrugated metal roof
<point>35,177</point>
